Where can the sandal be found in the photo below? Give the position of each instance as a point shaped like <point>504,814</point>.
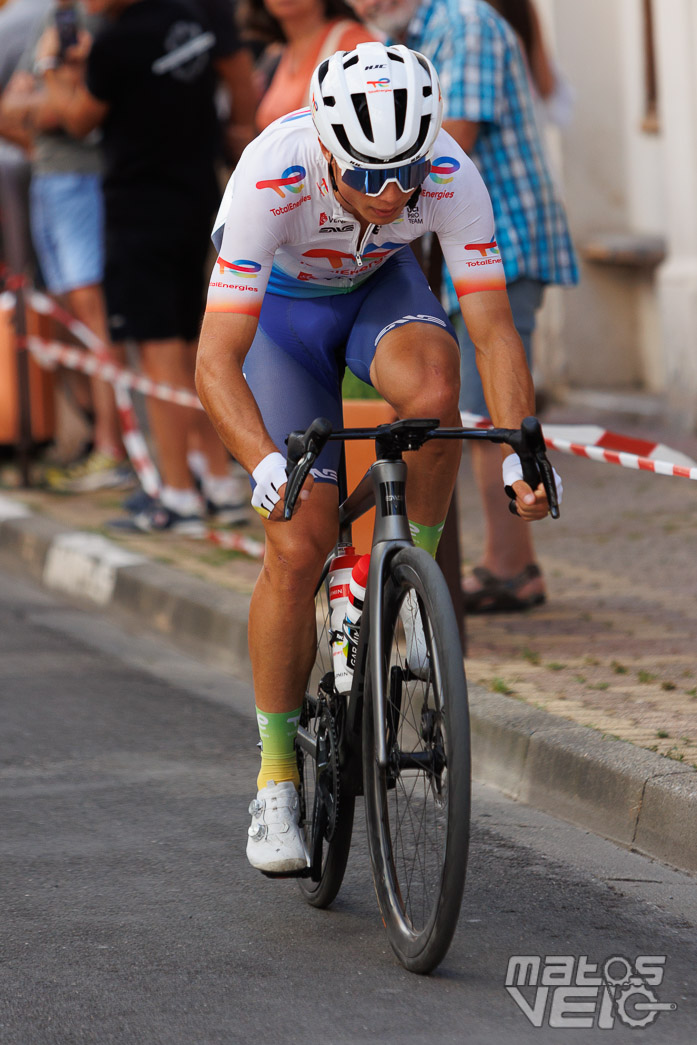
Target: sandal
<point>499,594</point>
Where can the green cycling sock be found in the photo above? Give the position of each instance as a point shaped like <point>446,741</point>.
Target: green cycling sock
<point>278,731</point>
<point>426,537</point>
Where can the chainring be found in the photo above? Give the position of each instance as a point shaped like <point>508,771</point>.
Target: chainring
<point>327,781</point>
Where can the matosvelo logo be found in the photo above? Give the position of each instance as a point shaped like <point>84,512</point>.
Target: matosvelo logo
<point>443,169</point>
<point>291,179</point>
<point>242,267</point>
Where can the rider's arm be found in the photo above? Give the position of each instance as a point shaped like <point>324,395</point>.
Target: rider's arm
<point>503,368</point>
<point>224,342</point>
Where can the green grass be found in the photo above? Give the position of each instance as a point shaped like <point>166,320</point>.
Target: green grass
<point>354,388</point>
<point>554,665</point>
<point>499,686</point>
<point>530,655</point>
<point>646,676</point>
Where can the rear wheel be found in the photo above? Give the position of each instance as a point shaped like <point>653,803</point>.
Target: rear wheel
<point>418,806</point>
<point>326,813</point>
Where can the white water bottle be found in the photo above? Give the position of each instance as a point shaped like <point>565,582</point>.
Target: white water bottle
<point>339,579</point>
<point>345,660</point>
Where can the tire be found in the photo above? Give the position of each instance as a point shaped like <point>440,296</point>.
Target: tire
<point>418,807</point>
<point>326,813</point>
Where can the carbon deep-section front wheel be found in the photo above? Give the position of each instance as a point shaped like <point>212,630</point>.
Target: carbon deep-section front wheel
<point>418,806</point>
<point>326,813</point>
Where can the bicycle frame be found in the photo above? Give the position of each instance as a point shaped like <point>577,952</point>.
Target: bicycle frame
<point>383,487</point>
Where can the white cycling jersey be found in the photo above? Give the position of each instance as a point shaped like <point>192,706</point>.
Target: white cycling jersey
<point>280,226</point>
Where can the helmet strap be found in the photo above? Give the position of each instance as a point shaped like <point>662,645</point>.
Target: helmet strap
<point>335,187</point>
<point>414,198</point>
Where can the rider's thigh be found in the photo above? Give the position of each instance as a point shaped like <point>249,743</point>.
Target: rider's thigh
<point>296,550</point>
<point>417,370</point>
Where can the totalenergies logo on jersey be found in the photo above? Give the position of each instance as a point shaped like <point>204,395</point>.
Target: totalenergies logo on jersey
<point>241,267</point>
<point>334,257</point>
<point>444,169</point>
<point>486,250</point>
<point>291,179</point>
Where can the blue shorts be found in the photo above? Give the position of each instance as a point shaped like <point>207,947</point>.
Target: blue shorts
<point>67,225</point>
<point>296,364</point>
<point>525,296</point>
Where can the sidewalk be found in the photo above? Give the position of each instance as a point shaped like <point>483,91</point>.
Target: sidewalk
<point>614,648</point>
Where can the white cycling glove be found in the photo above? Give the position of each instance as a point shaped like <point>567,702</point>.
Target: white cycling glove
<point>513,471</point>
<point>269,476</point>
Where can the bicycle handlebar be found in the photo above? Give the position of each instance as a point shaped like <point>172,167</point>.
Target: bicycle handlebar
<point>411,434</point>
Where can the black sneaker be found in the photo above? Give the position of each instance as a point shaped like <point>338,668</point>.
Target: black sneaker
<point>157,518</point>
<point>138,501</point>
<point>227,514</point>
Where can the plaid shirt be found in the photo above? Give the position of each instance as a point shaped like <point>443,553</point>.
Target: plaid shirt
<point>484,79</point>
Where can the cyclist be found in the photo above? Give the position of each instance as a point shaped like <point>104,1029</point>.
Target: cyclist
<point>314,271</point>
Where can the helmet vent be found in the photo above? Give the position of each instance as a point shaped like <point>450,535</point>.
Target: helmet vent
<point>428,91</point>
<point>351,61</point>
<point>328,100</point>
<point>360,104</point>
<point>395,57</point>
<point>423,132</point>
<point>322,71</point>
<point>400,110</point>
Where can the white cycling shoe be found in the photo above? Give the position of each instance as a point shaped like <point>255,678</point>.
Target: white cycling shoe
<point>275,844</point>
<point>416,649</point>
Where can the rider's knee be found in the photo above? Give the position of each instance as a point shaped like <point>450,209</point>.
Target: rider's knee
<point>294,557</point>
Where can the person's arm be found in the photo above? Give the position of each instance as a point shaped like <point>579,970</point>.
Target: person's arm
<point>15,110</point>
<point>541,68</point>
<point>464,223</point>
<point>464,132</point>
<point>505,376</point>
<point>75,109</point>
<point>223,345</point>
<point>236,72</point>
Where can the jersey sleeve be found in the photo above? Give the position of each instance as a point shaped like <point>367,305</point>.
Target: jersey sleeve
<point>464,223</point>
<point>246,237</point>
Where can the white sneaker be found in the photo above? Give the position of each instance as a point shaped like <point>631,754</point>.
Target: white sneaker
<point>276,844</point>
<point>417,651</point>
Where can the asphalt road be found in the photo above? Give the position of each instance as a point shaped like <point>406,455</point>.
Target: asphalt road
<point>130,915</point>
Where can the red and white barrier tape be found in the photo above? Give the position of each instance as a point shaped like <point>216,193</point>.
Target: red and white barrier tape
<point>608,447</point>
<point>237,542</point>
<point>53,353</point>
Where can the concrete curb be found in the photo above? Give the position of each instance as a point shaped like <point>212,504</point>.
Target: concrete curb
<point>632,796</point>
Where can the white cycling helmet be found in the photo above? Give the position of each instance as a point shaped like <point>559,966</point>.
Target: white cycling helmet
<point>377,106</point>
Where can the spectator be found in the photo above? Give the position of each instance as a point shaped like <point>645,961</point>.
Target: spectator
<point>304,33</point>
<point>489,111</point>
<point>551,90</point>
<point>148,79</point>
<point>66,216</point>
<point>234,65</point>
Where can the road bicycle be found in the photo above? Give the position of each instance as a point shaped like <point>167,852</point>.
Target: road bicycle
<point>400,738</point>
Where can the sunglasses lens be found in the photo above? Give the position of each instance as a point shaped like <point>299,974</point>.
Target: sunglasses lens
<point>372,182</point>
